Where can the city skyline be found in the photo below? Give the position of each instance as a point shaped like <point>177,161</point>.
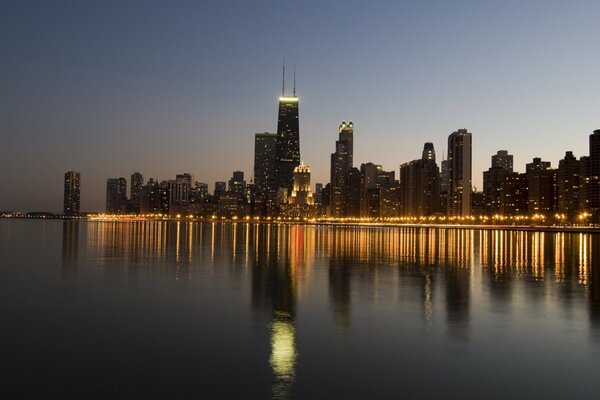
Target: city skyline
<point>82,98</point>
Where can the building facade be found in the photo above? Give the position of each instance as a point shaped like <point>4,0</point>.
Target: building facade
<point>72,193</point>
<point>459,173</point>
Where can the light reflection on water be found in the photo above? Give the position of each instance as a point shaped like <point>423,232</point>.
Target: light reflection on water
<point>326,301</point>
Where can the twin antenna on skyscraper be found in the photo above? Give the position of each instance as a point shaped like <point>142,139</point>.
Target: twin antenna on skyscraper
<point>283,82</point>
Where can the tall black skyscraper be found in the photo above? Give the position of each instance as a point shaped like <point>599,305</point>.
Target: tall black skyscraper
<point>116,195</point>
<point>72,196</point>
<point>594,173</point>
<point>459,173</point>
<point>288,138</point>
<point>137,183</point>
<point>502,166</point>
<point>265,167</point>
<point>341,164</point>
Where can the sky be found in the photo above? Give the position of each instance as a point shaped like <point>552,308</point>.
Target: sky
<point>166,87</point>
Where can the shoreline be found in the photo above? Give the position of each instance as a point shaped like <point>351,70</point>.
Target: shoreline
<point>486,227</point>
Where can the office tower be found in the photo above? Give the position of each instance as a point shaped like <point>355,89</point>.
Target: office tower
<point>502,166</point>
<point>388,193</point>
<point>318,196</point>
<point>502,160</point>
<point>288,138</point>
<point>594,173</point>
<point>477,203</point>
<point>237,184</point>
<point>428,152</point>
<point>220,189</point>
<point>584,184</point>
<point>301,193</point>
<point>150,197</point>
<point>514,194</point>
<point>72,194</point>
<point>116,195</point>
<point>369,192</point>
<point>353,193</point>
<point>165,197</point>
<point>202,189</point>
<point>541,184</point>
<point>568,185</point>
<point>265,168</point>
<point>444,186</point>
<point>459,173</point>
<point>137,182</point>
<point>180,189</point>
<point>341,163</point>
<point>420,185</point>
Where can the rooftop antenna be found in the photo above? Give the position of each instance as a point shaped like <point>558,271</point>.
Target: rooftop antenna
<point>283,81</point>
<point>294,79</point>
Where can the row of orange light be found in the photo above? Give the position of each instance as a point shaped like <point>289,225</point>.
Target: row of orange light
<point>422,219</point>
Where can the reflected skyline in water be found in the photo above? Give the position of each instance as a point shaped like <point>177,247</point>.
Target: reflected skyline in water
<point>286,305</point>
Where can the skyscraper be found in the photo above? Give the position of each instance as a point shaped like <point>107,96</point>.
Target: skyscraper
<point>237,184</point>
<point>341,164</point>
<point>542,187</point>
<point>137,183</point>
<point>594,171</point>
<point>301,194</point>
<point>72,195</point>
<point>568,185</point>
<point>288,138</point>
<point>502,166</point>
<point>420,185</point>
<point>459,173</point>
<point>116,195</point>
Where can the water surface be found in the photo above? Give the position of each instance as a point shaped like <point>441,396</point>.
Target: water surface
<point>190,310</point>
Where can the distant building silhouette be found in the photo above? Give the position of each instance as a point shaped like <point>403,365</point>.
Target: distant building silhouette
<point>341,164</point>
<point>568,185</point>
<point>542,187</point>
<point>514,194</point>
<point>594,174</point>
<point>116,195</point>
<point>420,185</point>
<point>459,173</point>
<point>265,179</point>
<point>137,183</point>
<point>502,166</point>
<point>72,193</point>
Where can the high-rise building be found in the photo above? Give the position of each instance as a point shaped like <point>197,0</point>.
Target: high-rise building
<point>420,185</point>
<point>301,192</point>
<point>502,166</point>
<point>369,191</point>
<point>568,185</point>
<point>513,197</point>
<point>265,168</point>
<point>116,195</point>
<point>288,138</point>
<point>584,184</point>
<point>594,174</point>
<point>502,160</point>
<point>542,187</point>
<point>353,193</point>
<point>220,189</point>
<point>137,182</point>
<point>341,164</point>
<point>444,186</point>
<point>72,195</point>
<point>459,173</point>
<point>237,184</point>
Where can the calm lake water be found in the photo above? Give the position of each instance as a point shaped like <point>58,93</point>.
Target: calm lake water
<point>190,310</point>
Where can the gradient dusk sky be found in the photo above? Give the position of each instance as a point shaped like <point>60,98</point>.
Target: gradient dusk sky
<point>108,88</point>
